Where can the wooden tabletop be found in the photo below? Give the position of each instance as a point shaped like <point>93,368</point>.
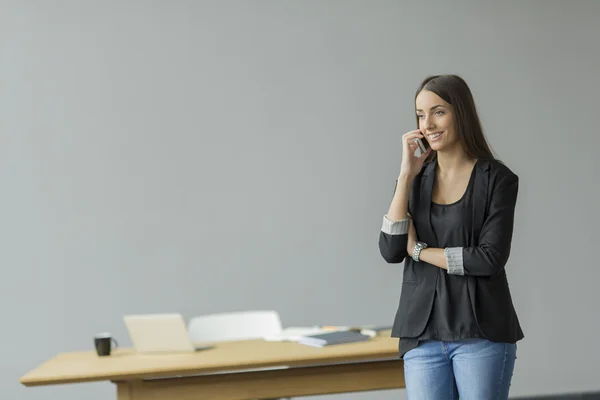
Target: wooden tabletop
<point>126,364</point>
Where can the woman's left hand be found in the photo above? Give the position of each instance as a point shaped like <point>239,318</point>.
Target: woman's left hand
<point>412,237</point>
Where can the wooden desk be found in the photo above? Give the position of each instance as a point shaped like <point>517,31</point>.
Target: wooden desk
<point>226,372</point>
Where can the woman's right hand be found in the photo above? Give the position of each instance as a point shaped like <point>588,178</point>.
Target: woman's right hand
<point>411,164</point>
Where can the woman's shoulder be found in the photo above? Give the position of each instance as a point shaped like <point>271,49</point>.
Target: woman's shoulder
<point>501,170</point>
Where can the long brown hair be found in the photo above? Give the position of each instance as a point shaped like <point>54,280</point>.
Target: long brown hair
<point>455,91</point>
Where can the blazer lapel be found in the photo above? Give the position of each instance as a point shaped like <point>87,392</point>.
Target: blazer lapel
<point>480,198</point>
<point>423,221</point>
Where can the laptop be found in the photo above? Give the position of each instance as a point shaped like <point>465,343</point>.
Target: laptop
<point>160,333</point>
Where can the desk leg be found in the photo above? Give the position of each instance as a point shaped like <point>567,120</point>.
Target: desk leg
<point>126,389</point>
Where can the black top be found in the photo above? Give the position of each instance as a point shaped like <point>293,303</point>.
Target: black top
<point>485,254</point>
<point>451,315</point>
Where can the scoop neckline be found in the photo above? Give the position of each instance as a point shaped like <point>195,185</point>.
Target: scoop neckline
<point>464,193</point>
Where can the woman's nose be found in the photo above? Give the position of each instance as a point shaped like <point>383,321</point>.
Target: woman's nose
<point>429,123</point>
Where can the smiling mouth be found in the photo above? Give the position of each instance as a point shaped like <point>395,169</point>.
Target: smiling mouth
<point>434,136</point>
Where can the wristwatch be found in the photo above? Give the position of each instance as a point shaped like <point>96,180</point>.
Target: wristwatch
<point>417,250</point>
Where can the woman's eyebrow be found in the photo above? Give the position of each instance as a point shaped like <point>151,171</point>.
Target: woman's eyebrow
<point>439,105</point>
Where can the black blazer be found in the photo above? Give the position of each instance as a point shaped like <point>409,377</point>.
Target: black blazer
<point>484,257</point>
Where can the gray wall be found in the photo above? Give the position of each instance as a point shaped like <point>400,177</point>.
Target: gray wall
<point>208,156</point>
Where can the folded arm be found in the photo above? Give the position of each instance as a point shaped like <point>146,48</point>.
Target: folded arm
<point>394,230</point>
<point>491,255</point>
<point>392,240</point>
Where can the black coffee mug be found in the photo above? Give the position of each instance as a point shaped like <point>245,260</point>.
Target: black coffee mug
<point>103,343</point>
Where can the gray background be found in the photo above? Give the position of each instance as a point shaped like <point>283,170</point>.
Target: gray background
<point>209,156</point>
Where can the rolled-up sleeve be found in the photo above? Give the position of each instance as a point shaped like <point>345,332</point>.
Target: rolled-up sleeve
<point>454,260</point>
<point>492,253</point>
<point>393,239</point>
<point>394,227</point>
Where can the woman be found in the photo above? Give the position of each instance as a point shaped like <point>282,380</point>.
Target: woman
<point>451,222</point>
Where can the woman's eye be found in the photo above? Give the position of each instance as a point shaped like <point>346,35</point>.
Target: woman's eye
<point>419,116</point>
<point>439,112</point>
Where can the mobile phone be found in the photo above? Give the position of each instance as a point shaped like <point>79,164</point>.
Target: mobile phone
<point>422,144</point>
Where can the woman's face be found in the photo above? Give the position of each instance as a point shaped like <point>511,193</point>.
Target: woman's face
<point>436,121</point>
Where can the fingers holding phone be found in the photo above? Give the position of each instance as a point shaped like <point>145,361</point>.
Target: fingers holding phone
<point>415,150</point>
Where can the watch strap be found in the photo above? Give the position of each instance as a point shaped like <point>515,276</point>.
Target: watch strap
<point>417,250</point>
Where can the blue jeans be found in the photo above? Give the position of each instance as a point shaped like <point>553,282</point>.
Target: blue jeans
<point>472,369</point>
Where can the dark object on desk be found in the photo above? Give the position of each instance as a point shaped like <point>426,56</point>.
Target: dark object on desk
<point>373,330</point>
<point>200,348</point>
<point>104,344</point>
<point>331,338</point>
